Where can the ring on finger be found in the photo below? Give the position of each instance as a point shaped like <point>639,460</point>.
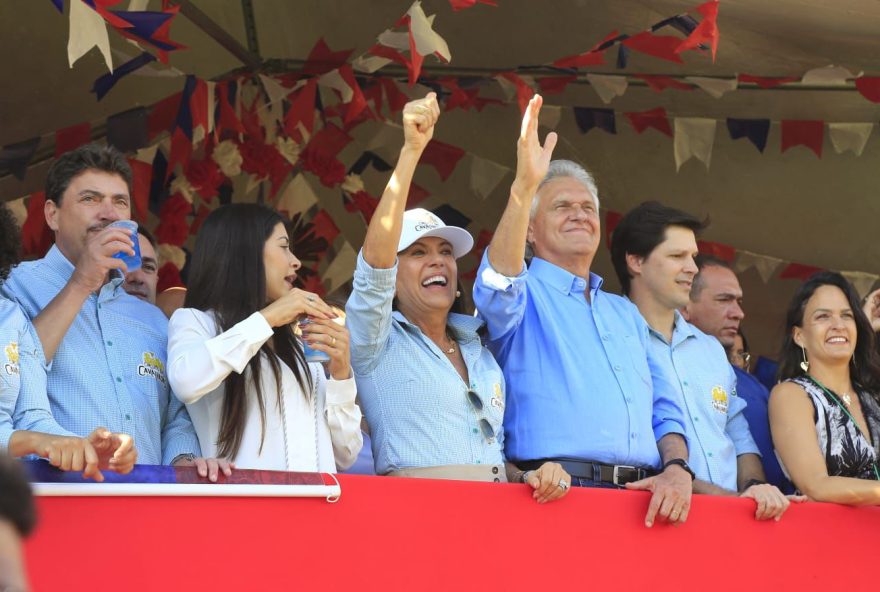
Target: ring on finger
<point>310,298</point>
<point>563,485</point>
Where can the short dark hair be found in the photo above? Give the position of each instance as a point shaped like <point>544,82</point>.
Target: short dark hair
<point>702,262</point>
<point>89,157</point>
<point>10,241</point>
<point>641,230</point>
<point>864,366</point>
<point>142,230</point>
<point>16,499</point>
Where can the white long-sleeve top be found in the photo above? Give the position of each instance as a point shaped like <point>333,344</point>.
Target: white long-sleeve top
<point>199,360</point>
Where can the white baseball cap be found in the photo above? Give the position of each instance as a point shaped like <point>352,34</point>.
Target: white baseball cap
<point>419,222</point>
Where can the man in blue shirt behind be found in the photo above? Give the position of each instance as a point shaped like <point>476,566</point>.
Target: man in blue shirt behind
<point>583,389</point>
<point>715,307</point>
<point>653,251</point>
<point>107,349</point>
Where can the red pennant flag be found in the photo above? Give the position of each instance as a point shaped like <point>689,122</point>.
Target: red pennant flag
<point>869,87</point>
<point>325,227</point>
<point>706,32</point>
<point>169,277</point>
<point>173,228</point>
<point>723,252</point>
<point>302,110</point>
<point>660,83</point>
<point>322,59</point>
<point>659,46</point>
<point>593,57</point>
<point>396,99</point>
<point>142,177</point>
<point>330,140</point>
<point>198,105</point>
<point>417,194</point>
<point>358,103</point>
<point>464,4</point>
<point>72,137</point>
<point>553,85</point>
<point>803,133</point>
<point>181,151</point>
<point>798,271</point>
<point>392,54</point>
<point>612,219</point>
<point>443,157</point>
<point>655,118</point>
<point>36,236</point>
<point>228,119</point>
<point>373,94</point>
<point>415,57</point>
<point>766,82</point>
<point>163,114</point>
<point>524,92</point>
<point>362,202</point>
<point>457,97</point>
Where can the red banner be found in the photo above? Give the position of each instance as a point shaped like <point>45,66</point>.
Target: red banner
<point>388,533</point>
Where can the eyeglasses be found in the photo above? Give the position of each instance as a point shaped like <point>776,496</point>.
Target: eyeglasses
<point>745,356</point>
<point>477,404</point>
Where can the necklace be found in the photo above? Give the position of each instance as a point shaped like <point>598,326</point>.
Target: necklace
<point>846,398</point>
<point>451,349</point>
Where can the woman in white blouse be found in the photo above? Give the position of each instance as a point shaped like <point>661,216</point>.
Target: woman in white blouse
<point>234,360</point>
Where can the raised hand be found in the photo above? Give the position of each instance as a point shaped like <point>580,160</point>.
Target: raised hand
<point>98,259</point>
<point>332,339</point>
<point>294,304</point>
<point>532,159</point>
<point>872,309</point>
<point>419,117</point>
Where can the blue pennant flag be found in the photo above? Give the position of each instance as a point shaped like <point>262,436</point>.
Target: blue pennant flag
<point>755,130</point>
<point>103,84</point>
<point>587,118</point>
<point>15,158</point>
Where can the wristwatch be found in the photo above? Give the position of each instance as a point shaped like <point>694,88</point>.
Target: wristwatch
<point>188,457</point>
<point>683,464</point>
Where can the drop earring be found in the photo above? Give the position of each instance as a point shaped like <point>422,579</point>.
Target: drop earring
<point>458,293</point>
<point>805,365</point>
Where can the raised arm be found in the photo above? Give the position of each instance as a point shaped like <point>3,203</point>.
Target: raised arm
<point>383,234</point>
<point>508,247</point>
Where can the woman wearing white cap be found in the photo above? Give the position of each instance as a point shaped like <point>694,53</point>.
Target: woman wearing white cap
<point>433,396</point>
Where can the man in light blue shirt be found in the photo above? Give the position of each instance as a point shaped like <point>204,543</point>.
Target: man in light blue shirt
<point>653,251</point>
<point>107,348</point>
<point>583,389</point>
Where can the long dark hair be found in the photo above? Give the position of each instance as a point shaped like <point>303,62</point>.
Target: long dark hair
<point>865,364</point>
<point>228,278</point>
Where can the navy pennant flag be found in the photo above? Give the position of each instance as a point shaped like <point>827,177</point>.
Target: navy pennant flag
<point>587,118</point>
<point>755,130</point>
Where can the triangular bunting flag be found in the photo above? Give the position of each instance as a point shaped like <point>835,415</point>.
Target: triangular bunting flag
<point>694,136</point>
<point>861,281</point>
<point>608,87</point>
<point>849,136</point>
<point>803,133</point>
<point>765,266</point>
<point>485,176</point>
<point>654,118</point>
<point>755,130</point>
<point>587,118</point>
<point>716,87</point>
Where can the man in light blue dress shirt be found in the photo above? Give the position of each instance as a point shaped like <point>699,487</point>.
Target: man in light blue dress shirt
<point>107,349</point>
<point>583,387</point>
<point>653,251</point>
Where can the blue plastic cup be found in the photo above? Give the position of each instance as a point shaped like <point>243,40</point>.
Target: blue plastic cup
<point>132,262</point>
<point>312,355</point>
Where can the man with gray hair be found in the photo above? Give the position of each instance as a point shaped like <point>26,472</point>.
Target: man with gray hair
<point>584,389</point>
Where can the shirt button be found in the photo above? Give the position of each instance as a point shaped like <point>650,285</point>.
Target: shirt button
<point>476,430</point>
<point>118,379</point>
<point>605,337</point>
<point>497,480</point>
<point>629,399</point>
<point>708,454</point>
<point>696,419</point>
<point>632,436</point>
<point>617,367</point>
<point>479,462</point>
<point>494,470</point>
<point>685,383</point>
<point>109,342</point>
<point>128,417</point>
<point>99,305</point>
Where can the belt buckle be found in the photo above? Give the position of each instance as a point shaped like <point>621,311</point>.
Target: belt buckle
<point>616,473</point>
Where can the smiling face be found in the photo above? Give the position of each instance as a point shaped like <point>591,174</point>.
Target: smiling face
<point>426,277</point>
<point>280,263</point>
<point>717,310</point>
<point>565,229</point>
<point>828,329</point>
<point>93,200</point>
<point>667,273</point>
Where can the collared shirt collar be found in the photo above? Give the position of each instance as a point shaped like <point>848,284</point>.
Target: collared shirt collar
<point>464,327</point>
<point>56,261</point>
<point>562,280</point>
<point>681,331</point>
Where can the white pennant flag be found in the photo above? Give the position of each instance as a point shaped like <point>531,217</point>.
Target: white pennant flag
<point>550,116</point>
<point>427,40</point>
<point>861,281</point>
<point>398,41</point>
<point>714,86</point>
<point>694,137</point>
<point>297,197</point>
<point>87,30</point>
<point>850,136</point>
<point>765,265</point>
<point>369,64</point>
<point>333,80</point>
<point>485,176</point>
<point>828,75</point>
<point>340,270</point>
<point>608,87</point>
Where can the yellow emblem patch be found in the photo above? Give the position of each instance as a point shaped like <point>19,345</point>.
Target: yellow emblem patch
<point>719,399</point>
<point>11,351</point>
<point>152,366</point>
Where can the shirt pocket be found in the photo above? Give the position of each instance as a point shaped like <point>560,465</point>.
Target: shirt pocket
<point>639,356</point>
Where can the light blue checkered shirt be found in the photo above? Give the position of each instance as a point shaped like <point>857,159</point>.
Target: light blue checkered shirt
<point>23,401</point>
<point>717,430</point>
<point>109,369</point>
<point>413,398</point>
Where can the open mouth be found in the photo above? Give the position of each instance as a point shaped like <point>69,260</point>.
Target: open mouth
<point>837,340</point>
<point>435,281</point>
<point>290,280</point>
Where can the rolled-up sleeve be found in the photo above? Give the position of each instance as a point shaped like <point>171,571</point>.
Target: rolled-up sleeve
<point>344,421</point>
<point>368,313</point>
<point>500,300</point>
<point>737,425</point>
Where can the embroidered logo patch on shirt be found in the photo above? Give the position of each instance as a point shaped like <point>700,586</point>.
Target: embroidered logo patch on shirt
<point>152,366</point>
<point>497,397</point>
<point>11,350</point>
<point>719,399</point>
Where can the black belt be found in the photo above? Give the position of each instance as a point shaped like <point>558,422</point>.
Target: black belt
<point>594,471</point>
